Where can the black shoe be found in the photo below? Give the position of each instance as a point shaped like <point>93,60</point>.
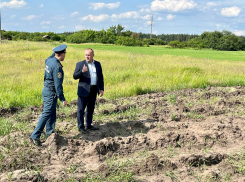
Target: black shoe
<point>83,131</point>
<point>92,128</point>
<point>36,142</point>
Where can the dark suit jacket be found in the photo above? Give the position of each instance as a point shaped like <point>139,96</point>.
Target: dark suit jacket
<point>84,78</point>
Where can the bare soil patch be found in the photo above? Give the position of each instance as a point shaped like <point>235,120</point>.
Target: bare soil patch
<point>186,135</point>
<point>8,112</point>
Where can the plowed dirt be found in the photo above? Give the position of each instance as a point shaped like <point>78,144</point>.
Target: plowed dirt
<point>187,135</point>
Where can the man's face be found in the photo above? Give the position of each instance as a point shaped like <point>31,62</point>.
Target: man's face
<point>89,56</point>
<point>62,56</point>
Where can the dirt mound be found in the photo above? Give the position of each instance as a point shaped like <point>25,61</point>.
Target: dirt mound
<point>74,102</point>
<point>22,176</point>
<point>107,146</point>
<point>198,160</point>
<point>34,108</point>
<point>101,100</point>
<point>186,135</point>
<point>118,109</point>
<point>8,112</point>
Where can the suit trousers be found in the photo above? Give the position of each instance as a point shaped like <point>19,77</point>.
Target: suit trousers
<point>48,116</point>
<point>89,104</point>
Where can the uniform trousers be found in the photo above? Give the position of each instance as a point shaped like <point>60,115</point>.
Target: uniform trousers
<point>89,104</point>
<point>48,116</point>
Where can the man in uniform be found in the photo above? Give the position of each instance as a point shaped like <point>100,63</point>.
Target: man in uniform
<point>53,89</point>
<point>91,83</point>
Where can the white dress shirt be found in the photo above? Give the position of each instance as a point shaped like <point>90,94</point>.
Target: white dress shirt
<point>93,74</point>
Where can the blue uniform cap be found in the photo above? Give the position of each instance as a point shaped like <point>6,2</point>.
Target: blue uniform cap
<point>60,48</point>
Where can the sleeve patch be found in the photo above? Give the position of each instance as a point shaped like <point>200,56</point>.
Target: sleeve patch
<point>59,75</point>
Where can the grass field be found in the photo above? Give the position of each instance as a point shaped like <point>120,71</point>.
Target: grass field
<point>127,71</point>
<point>187,135</point>
<point>161,50</point>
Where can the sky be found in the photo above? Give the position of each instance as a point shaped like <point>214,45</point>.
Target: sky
<point>169,16</point>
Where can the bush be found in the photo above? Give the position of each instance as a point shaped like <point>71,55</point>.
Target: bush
<point>39,39</point>
<point>128,41</point>
<point>224,41</point>
<point>174,43</point>
<point>154,41</point>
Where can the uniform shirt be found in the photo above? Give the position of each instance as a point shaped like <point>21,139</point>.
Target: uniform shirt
<point>92,71</point>
<point>54,76</point>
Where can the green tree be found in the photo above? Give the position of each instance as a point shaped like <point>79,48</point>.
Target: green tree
<point>174,43</point>
<point>56,37</point>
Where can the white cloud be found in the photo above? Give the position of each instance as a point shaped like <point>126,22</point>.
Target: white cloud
<point>41,6</point>
<point>239,32</point>
<point>126,15</point>
<point>144,10</point>
<point>95,18</point>
<point>232,11</point>
<point>79,27</point>
<point>58,17</point>
<point>96,6</point>
<point>146,17</point>
<point>46,23</point>
<point>13,16</point>
<point>130,15</point>
<point>45,27</point>
<point>208,6</point>
<point>30,17</point>
<point>172,5</point>
<point>13,24</point>
<point>74,14</point>
<point>170,17</point>
<point>148,23</point>
<point>159,18</point>
<point>211,4</point>
<point>62,26</point>
<point>13,4</point>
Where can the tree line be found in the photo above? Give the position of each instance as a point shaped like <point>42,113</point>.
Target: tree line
<point>224,41</point>
<point>116,34</point>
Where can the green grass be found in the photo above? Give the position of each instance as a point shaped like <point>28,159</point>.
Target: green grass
<point>118,170</point>
<point>238,161</point>
<point>205,54</point>
<point>143,70</point>
<point>6,127</point>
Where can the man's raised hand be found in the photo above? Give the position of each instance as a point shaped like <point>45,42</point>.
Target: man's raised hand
<point>85,68</point>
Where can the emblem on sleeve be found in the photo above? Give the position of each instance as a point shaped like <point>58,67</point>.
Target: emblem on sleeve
<point>59,75</point>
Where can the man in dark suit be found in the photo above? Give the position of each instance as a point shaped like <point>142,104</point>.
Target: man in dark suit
<point>91,83</point>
